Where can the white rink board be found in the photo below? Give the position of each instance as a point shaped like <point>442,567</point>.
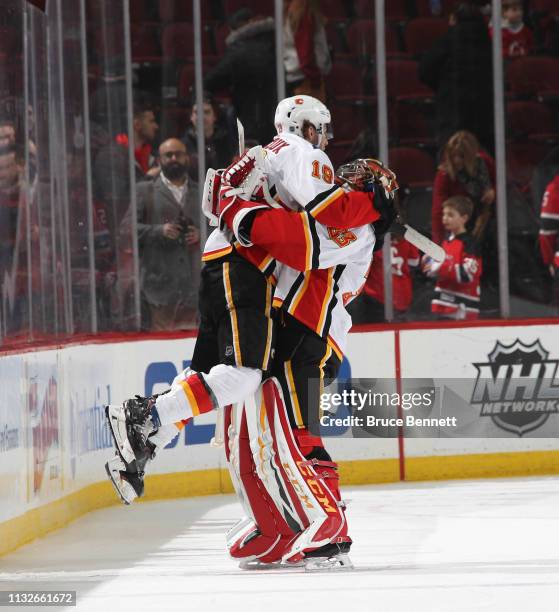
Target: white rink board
<point>450,354</point>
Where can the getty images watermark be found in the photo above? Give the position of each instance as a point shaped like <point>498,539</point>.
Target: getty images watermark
<point>476,407</point>
<point>362,405</point>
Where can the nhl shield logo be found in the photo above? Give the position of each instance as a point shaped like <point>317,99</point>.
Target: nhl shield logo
<point>517,387</point>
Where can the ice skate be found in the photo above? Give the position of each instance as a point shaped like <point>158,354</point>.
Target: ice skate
<point>126,480</point>
<point>130,425</point>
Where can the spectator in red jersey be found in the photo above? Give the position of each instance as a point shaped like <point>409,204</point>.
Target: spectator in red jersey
<point>457,287</point>
<point>368,307</point>
<point>517,37</point>
<point>467,170</point>
<point>306,55</point>
<point>549,229</point>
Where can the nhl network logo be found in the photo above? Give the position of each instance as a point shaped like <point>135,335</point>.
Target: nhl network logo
<point>518,387</point>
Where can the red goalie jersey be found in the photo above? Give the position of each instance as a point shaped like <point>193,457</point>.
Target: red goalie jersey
<point>458,277</point>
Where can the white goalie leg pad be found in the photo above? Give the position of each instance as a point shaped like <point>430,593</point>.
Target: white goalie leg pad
<point>316,505</point>
<point>266,460</point>
<point>231,423</point>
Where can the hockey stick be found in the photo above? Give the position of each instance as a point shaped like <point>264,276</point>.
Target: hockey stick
<point>241,131</point>
<point>420,241</point>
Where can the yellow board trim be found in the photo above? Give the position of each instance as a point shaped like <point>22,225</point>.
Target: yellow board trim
<point>57,514</point>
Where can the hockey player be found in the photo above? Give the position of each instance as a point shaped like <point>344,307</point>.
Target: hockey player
<point>236,326</point>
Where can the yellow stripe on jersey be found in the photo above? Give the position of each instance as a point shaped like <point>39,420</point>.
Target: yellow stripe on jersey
<point>299,294</point>
<point>308,242</point>
<point>190,397</point>
<point>270,326</point>
<point>328,296</point>
<point>232,314</point>
<point>265,263</point>
<point>293,394</point>
<point>216,254</point>
<point>324,205</point>
<point>335,347</point>
<point>277,302</point>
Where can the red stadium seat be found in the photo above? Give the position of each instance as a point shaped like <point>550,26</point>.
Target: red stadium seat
<point>338,151</point>
<point>522,158</point>
<point>334,9</point>
<point>395,10</point>
<point>138,11</point>
<point>346,80</point>
<point>423,8</point>
<point>175,10</point>
<point>361,37</point>
<point>403,84</point>
<point>11,42</point>
<point>186,81</point>
<point>174,121</point>
<point>348,120</point>
<point>409,125</point>
<point>530,120</point>
<point>178,41</point>
<point>145,42</point>
<point>414,168</point>
<point>420,34</point>
<point>258,7</point>
<point>336,37</point>
<point>530,76</point>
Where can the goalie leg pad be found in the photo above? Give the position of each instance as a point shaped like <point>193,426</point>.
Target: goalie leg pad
<point>323,515</point>
<point>263,534</point>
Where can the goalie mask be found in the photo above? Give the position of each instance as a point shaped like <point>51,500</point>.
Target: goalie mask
<point>362,172</point>
<point>291,113</point>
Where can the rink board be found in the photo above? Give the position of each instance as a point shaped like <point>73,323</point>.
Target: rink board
<point>53,441</point>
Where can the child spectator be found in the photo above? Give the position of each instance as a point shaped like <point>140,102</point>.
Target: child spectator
<point>369,306</point>
<point>549,229</point>
<point>517,37</point>
<point>457,286</point>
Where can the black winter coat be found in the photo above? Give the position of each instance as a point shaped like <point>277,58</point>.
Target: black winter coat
<point>459,68</point>
<point>248,68</point>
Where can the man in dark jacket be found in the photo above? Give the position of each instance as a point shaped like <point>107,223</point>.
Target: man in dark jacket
<point>247,67</point>
<point>168,240</point>
<point>220,147</point>
<point>459,68</point>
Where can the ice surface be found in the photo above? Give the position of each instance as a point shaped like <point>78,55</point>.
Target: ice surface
<point>448,547</point>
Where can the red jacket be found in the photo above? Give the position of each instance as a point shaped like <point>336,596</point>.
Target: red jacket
<point>404,255</point>
<point>458,277</point>
<point>516,43</point>
<point>444,188</point>
<point>549,229</point>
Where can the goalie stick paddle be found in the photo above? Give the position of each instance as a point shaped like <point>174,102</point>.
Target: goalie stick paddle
<point>423,243</point>
<point>241,131</point>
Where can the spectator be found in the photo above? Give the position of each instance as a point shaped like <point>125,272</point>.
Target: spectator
<point>111,182</point>
<point>549,229</point>
<point>457,287</point>
<point>466,170</point>
<point>219,146</point>
<point>517,37</point>
<point>306,55</point>
<point>13,261</point>
<point>169,241</point>
<point>247,67</point>
<point>368,307</point>
<point>459,68</point>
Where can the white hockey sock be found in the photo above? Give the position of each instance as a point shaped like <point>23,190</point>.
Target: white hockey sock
<point>189,398</point>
